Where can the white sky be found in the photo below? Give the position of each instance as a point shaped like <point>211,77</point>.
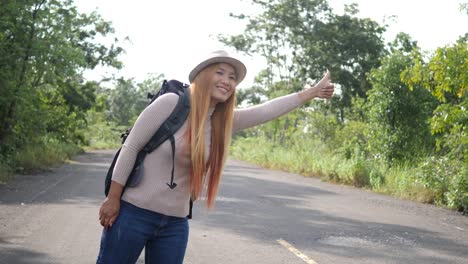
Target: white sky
<point>171,36</point>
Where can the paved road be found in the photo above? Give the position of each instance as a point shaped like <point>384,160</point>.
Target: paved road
<point>262,216</point>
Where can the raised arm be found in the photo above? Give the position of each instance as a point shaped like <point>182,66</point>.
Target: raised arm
<point>259,114</point>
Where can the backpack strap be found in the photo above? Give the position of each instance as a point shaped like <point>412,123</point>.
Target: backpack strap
<point>167,130</point>
<point>172,124</point>
<point>190,209</point>
<point>107,182</point>
<point>172,185</point>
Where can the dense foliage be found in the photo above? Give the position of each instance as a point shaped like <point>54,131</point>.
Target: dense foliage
<point>45,46</point>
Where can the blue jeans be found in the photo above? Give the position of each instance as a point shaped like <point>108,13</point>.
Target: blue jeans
<point>163,237</point>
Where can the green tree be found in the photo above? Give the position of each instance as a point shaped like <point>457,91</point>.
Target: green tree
<point>397,115</point>
<point>446,77</point>
<point>147,88</point>
<point>300,39</point>
<point>123,101</point>
<point>44,47</point>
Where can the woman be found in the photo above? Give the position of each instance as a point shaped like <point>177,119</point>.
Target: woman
<point>152,215</point>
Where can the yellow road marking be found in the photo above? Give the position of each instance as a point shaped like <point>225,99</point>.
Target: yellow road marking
<point>296,251</point>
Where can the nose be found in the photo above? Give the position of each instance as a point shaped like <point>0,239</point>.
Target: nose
<point>225,80</point>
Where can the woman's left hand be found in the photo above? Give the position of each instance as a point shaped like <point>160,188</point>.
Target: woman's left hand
<point>323,89</point>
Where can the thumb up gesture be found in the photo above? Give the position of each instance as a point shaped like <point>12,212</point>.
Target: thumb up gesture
<point>323,89</point>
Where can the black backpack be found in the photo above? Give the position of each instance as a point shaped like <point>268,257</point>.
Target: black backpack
<point>166,131</point>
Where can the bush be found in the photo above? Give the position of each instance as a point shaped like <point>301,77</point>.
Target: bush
<point>39,156</point>
<point>360,174</point>
<point>376,178</point>
<point>351,140</point>
<point>5,172</point>
<point>447,179</point>
<point>457,194</point>
<point>102,134</point>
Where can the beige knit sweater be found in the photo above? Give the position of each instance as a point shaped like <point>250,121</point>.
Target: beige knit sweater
<point>152,193</point>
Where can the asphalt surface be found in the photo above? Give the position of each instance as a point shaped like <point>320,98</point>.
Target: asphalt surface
<point>261,216</point>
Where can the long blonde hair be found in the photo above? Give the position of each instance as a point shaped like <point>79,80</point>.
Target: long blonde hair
<point>203,172</point>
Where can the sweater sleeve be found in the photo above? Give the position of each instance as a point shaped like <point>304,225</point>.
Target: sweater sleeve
<point>147,123</point>
<point>259,114</point>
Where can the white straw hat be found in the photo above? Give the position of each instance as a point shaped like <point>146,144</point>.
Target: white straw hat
<point>220,56</point>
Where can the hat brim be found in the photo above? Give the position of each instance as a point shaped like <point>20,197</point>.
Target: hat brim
<point>239,67</point>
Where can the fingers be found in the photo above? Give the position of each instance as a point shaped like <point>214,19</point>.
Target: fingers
<point>329,88</point>
<point>325,81</point>
<point>101,217</point>
<point>105,222</point>
<point>327,91</point>
<point>106,219</point>
<point>327,74</point>
<point>112,220</point>
<point>323,89</point>
<point>102,220</point>
<point>108,212</point>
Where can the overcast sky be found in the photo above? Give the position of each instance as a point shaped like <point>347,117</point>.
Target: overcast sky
<point>170,36</point>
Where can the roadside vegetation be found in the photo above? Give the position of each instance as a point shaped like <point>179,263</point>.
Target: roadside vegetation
<point>397,124</point>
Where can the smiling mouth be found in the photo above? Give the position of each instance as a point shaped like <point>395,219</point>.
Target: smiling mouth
<point>224,89</point>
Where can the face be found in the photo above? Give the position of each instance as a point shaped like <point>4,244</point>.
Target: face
<point>223,83</point>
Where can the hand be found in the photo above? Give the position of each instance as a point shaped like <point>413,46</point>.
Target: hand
<point>109,211</point>
<point>323,89</point>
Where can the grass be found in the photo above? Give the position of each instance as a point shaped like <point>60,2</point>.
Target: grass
<point>313,159</point>
<point>5,173</point>
<point>37,157</point>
